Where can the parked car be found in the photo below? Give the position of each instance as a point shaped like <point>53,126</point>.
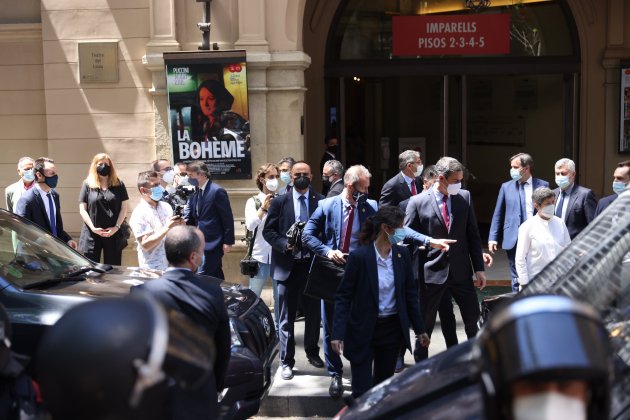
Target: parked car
<point>41,278</point>
<point>594,268</point>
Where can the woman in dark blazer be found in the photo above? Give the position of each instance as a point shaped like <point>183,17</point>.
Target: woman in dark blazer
<point>376,302</point>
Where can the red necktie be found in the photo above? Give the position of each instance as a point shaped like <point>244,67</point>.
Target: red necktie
<point>346,239</point>
<point>413,188</point>
<point>447,219</point>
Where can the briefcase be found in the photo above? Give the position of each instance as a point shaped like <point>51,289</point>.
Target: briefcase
<point>324,278</point>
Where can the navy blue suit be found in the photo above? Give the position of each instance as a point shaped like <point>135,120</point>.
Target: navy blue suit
<point>507,218</point>
<point>356,320</point>
<point>290,272</point>
<point>604,202</point>
<point>396,190</point>
<point>580,210</point>
<point>201,301</point>
<point>31,207</point>
<point>212,214</point>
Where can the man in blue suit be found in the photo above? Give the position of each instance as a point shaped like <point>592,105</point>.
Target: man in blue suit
<point>41,205</point>
<point>514,206</point>
<point>290,267</point>
<point>575,205</point>
<point>621,181</point>
<point>209,209</point>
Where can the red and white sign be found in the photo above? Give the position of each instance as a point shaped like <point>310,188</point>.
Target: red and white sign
<point>451,35</point>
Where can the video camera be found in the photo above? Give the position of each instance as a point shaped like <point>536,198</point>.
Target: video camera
<point>179,198</point>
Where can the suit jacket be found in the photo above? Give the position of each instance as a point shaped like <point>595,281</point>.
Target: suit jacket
<point>396,190</point>
<point>335,189</point>
<point>280,218</point>
<point>581,209</point>
<point>201,301</point>
<point>356,301</point>
<point>604,202</point>
<point>213,217</point>
<point>322,233</point>
<point>31,207</point>
<point>507,213</point>
<point>423,214</point>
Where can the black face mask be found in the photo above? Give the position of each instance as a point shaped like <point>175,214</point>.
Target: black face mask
<point>103,169</point>
<point>301,182</point>
<point>359,197</point>
<point>326,181</point>
<point>333,149</point>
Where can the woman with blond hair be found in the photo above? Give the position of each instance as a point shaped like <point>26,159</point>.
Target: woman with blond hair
<point>103,207</point>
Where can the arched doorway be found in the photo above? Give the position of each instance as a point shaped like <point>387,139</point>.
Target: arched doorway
<point>480,109</point>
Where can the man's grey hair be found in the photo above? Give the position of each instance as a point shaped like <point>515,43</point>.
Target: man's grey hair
<point>335,167</point>
<point>288,160</point>
<point>566,162</point>
<point>408,156</point>
<point>354,173</point>
<point>525,159</point>
<point>447,166</point>
<point>25,159</point>
<point>541,194</point>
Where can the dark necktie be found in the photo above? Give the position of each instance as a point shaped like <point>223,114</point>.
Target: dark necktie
<point>560,205</point>
<point>413,188</point>
<point>303,209</point>
<point>445,216</point>
<point>521,193</point>
<point>51,214</point>
<point>348,236</point>
<point>199,201</point>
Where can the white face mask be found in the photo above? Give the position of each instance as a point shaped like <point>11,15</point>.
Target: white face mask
<point>547,211</point>
<point>549,406</point>
<point>272,184</point>
<point>168,176</point>
<point>453,189</point>
<point>418,171</point>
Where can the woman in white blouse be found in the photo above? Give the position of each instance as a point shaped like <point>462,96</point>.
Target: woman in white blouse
<point>255,217</point>
<point>540,238</point>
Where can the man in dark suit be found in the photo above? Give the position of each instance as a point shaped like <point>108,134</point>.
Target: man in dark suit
<point>514,206</point>
<point>201,300</point>
<point>332,178</point>
<point>406,183</point>
<point>574,204</point>
<point>290,266</point>
<point>446,211</point>
<point>41,205</point>
<point>209,209</point>
<point>621,181</point>
<point>331,152</point>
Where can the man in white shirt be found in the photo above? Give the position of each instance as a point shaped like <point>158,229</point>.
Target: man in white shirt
<point>26,182</point>
<point>150,221</point>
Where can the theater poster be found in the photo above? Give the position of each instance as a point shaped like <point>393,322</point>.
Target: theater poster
<point>208,110</point>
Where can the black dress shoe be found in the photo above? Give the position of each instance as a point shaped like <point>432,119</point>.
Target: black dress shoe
<point>315,360</point>
<point>336,387</point>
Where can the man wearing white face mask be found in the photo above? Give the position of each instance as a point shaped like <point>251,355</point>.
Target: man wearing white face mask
<point>26,182</point>
<point>406,183</point>
<point>575,205</point>
<point>255,217</point>
<point>540,238</point>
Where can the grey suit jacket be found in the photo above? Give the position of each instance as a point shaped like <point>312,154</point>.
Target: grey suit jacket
<point>581,209</point>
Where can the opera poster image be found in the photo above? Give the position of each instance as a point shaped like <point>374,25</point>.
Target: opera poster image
<point>209,111</point>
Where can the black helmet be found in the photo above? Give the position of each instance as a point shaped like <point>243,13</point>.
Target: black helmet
<point>111,358</point>
<point>544,338</point>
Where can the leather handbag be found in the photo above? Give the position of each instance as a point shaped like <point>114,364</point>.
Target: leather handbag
<point>125,232</point>
<point>249,266</point>
<point>324,278</point>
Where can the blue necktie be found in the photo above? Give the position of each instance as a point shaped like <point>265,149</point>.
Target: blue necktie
<point>521,192</point>
<point>303,209</point>
<point>560,205</point>
<point>51,214</point>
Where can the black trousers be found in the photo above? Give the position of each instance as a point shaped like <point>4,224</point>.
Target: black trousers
<point>466,297</point>
<point>213,265</point>
<point>380,365</point>
<point>92,245</point>
<point>448,323</point>
<point>288,292</point>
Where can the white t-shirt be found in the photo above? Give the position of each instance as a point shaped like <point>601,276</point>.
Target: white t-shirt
<point>145,220</point>
<point>261,251</point>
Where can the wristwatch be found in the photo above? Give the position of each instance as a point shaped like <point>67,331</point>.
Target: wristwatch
<point>118,226</point>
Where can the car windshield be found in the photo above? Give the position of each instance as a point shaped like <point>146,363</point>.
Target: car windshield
<point>30,255</point>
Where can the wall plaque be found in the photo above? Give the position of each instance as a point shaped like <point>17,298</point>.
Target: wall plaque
<point>98,62</point>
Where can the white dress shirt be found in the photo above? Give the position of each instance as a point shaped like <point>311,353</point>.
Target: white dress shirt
<point>565,201</point>
<point>386,287</point>
<point>539,242</point>
<point>528,189</point>
<point>261,251</point>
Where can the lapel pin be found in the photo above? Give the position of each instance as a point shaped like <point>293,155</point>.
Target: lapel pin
<point>399,256</point>
<point>363,210</point>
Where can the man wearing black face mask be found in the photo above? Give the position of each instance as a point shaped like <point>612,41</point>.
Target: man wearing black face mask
<point>41,205</point>
<point>331,153</point>
<point>289,268</point>
<point>332,178</point>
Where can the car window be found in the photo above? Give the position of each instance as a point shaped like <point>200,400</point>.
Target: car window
<point>28,254</point>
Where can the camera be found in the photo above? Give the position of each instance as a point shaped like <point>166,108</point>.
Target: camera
<point>179,198</point>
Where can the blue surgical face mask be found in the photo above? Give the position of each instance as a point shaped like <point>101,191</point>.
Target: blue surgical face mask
<point>29,175</point>
<point>285,177</point>
<point>157,193</point>
<point>515,174</point>
<point>562,181</point>
<point>619,187</point>
<point>193,181</point>
<point>398,236</point>
<point>203,262</point>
